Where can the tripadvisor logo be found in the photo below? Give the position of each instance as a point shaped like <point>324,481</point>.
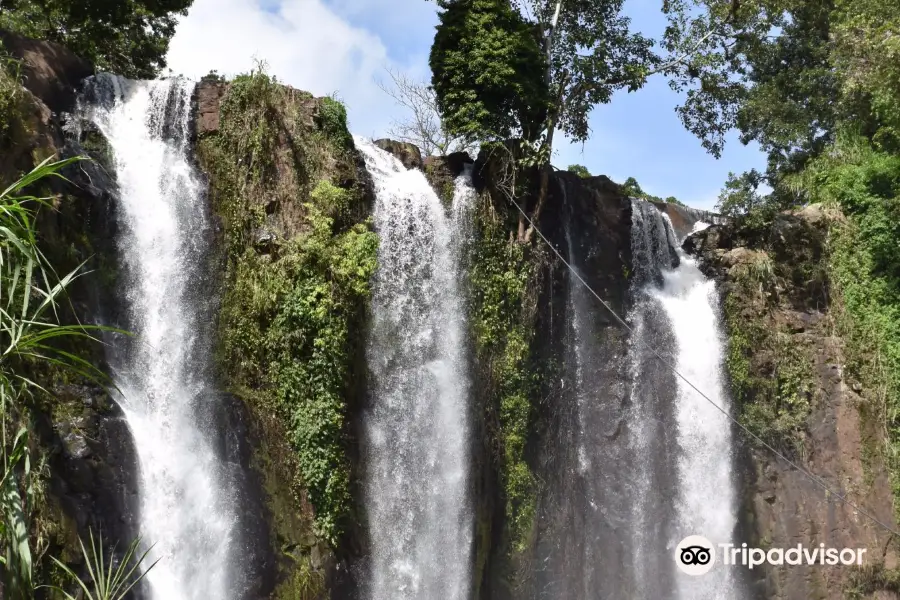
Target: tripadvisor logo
<point>696,555</point>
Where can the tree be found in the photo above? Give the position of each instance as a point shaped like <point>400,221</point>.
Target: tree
<point>632,188</point>
<point>761,67</point>
<point>791,75</point>
<point>531,68</point>
<point>128,37</point>
<point>741,196</point>
<point>487,72</point>
<point>590,53</point>
<point>423,126</point>
<point>579,170</point>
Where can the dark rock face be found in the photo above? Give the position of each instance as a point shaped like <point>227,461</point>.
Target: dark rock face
<point>441,171</point>
<point>93,471</point>
<point>50,71</point>
<point>451,164</point>
<point>227,423</point>
<point>592,227</point>
<point>781,506</point>
<point>408,154</point>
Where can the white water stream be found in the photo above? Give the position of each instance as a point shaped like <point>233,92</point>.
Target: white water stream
<point>162,230</point>
<point>416,444</point>
<point>706,503</point>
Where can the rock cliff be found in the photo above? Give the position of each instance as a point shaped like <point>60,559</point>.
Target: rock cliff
<point>792,386</point>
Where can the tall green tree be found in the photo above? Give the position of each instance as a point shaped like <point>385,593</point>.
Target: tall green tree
<point>128,37</point>
<point>550,63</point>
<point>762,67</point>
<point>488,71</point>
<point>790,75</point>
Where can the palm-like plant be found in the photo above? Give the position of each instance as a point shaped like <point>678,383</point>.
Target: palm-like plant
<point>109,580</point>
<point>30,293</point>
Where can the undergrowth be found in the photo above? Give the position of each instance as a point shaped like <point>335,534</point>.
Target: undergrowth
<point>503,311</point>
<point>11,101</point>
<point>864,268</point>
<point>291,306</point>
<point>867,580</point>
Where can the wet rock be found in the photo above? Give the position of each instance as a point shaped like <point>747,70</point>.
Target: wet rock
<point>74,443</point>
<point>227,424</point>
<point>441,171</point>
<point>264,240</point>
<point>451,164</point>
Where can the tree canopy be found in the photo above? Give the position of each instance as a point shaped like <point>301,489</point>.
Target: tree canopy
<point>532,66</point>
<point>579,170</point>
<point>487,71</point>
<point>792,75</point>
<point>525,68</point>
<point>128,37</point>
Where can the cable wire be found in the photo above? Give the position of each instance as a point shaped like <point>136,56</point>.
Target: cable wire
<point>812,477</point>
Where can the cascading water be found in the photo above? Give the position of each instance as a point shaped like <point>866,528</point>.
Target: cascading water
<point>642,468</point>
<point>704,499</point>
<point>162,373</point>
<point>416,448</point>
<point>652,438</point>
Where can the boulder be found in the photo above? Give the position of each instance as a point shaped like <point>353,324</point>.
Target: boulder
<point>49,71</point>
<point>451,164</point>
<point>406,153</point>
<point>209,94</point>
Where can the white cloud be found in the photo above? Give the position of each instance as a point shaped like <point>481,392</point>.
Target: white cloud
<point>305,44</point>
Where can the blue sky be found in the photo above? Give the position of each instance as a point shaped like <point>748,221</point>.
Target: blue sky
<point>343,47</point>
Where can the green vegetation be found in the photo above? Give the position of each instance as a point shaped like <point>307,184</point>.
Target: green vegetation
<point>11,109</point>
<point>32,338</point>
<point>488,72</point>
<point>503,287</point>
<point>526,68</point>
<point>632,189</point>
<point>864,267</point>
<point>127,37</point>
<point>299,259</point>
<point>579,170</point>
<point>771,373</point>
<point>867,580</point>
<point>108,579</point>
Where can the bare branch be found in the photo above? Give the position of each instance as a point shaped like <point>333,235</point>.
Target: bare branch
<point>422,124</point>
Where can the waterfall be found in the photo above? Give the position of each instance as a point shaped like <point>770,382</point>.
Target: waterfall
<point>704,497</point>
<point>643,460</point>
<point>162,372</point>
<point>706,500</point>
<point>652,440</point>
<point>416,431</point>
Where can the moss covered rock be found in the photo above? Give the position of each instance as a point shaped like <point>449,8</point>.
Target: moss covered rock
<point>298,251</point>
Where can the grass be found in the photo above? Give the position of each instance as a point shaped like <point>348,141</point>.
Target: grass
<point>31,294</point>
